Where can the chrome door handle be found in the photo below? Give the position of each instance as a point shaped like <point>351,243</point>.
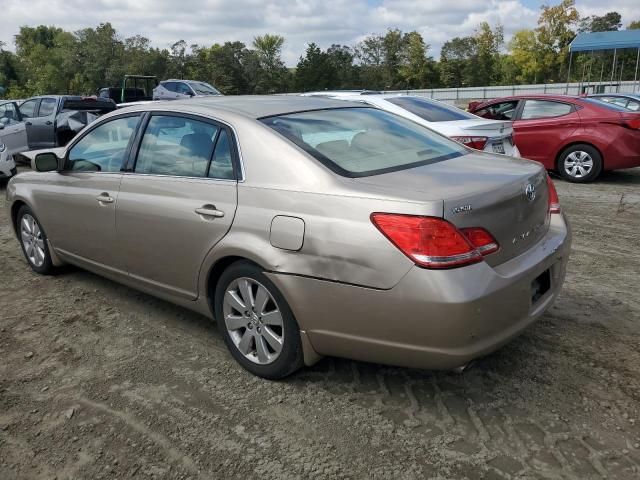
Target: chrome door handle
<point>105,198</point>
<point>209,211</point>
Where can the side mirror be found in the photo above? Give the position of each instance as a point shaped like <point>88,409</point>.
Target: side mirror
<point>46,162</point>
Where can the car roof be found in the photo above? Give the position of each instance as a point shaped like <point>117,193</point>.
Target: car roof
<point>546,96</point>
<point>75,97</point>
<point>339,93</point>
<point>182,80</point>
<point>256,106</point>
<point>530,96</point>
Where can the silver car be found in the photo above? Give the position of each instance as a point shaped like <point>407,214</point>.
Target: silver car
<point>181,89</point>
<point>305,226</point>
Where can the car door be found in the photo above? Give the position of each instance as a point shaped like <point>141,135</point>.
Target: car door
<point>542,127</point>
<point>41,126</point>
<point>13,131</point>
<point>28,110</point>
<point>177,201</point>
<point>78,204</point>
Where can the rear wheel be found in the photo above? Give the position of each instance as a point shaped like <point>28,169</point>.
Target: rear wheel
<point>33,241</point>
<point>256,322</point>
<point>580,163</point>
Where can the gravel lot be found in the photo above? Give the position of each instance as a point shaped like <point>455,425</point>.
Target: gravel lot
<point>99,381</point>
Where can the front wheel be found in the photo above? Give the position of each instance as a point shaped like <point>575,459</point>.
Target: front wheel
<point>256,322</point>
<point>33,241</point>
<point>580,163</point>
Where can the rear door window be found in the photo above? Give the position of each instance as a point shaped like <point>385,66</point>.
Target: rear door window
<point>104,148</point>
<point>430,110</point>
<point>47,107</point>
<point>171,86</point>
<point>176,146</point>
<point>544,109</point>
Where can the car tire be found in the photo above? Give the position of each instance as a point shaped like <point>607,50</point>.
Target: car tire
<point>580,163</point>
<point>256,322</point>
<point>33,241</point>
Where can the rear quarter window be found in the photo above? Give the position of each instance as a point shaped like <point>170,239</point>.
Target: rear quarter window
<point>604,104</point>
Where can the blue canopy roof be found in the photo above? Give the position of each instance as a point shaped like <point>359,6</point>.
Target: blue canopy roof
<point>606,40</point>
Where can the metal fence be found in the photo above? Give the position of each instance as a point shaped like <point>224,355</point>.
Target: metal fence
<point>461,96</point>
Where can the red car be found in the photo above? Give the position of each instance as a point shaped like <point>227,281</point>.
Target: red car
<point>576,136</point>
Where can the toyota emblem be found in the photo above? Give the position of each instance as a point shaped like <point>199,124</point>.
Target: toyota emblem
<point>530,192</point>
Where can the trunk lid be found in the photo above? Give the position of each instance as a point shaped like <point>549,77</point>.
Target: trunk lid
<point>491,127</point>
<point>481,190</point>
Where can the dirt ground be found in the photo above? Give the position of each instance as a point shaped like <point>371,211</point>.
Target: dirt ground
<point>99,381</point>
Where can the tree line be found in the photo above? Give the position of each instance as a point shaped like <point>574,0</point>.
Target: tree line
<point>50,60</point>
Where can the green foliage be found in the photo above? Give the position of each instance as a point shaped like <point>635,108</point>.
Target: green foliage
<point>271,74</point>
<point>473,61</point>
<point>608,22</point>
<point>315,71</point>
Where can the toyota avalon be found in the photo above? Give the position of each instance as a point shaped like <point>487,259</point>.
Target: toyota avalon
<point>305,226</point>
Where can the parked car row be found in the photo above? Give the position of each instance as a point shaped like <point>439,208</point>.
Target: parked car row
<point>577,137</point>
<point>145,88</point>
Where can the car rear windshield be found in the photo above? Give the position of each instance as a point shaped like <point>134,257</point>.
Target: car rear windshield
<point>603,104</point>
<point>358,142</point>
<point>430,110</point>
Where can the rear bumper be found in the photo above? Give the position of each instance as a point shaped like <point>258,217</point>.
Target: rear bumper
<point>623,151</point>
<point>430,319</point>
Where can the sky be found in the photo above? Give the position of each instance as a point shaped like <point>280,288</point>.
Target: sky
<point>300,21</point>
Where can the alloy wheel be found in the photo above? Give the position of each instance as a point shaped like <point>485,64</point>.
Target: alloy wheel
<point>32,240</point>
<point>253,320</point>
<point>578,164</point>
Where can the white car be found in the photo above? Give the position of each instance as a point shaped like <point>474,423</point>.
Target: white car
<point>174,89</point>
<point>13,138</point>
<point>495,136</point>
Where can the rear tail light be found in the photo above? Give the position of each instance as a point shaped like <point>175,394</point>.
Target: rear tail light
<point>433,242</point>
<point>482,240</point>
<point>474,142</point>
<point>634,123</point>
<point>554,201</point>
